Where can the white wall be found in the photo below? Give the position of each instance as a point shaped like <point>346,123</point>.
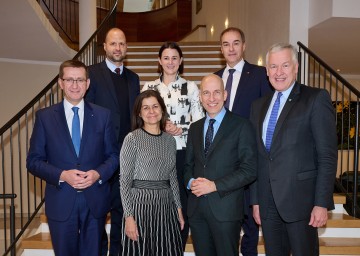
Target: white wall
<point>20,82</point>
<point>136,5</point>
<point>255,18</point>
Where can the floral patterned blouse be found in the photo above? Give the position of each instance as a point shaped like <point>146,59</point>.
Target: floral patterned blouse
<point>182,103</point>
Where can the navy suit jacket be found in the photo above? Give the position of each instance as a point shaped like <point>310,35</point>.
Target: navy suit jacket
<point>52,151</point>
<point>230,163</point>
<point>102,92</point>
<point>253,84</point>
<point>300,168</point>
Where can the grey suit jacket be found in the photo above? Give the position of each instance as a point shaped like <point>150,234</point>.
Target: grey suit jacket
<point>231,164</point>
<point>301,165</point>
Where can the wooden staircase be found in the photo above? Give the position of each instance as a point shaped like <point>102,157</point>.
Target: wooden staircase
<point>341,236</point>
<point>200,59</point>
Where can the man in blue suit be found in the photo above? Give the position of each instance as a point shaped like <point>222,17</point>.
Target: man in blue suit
<point>114,87</point>
<point>245,83</point>
<point>73,148</point>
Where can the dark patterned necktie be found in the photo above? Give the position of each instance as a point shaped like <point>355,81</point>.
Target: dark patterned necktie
<point>228,87</point>
<point>209,135</point>
<point>117,71</point>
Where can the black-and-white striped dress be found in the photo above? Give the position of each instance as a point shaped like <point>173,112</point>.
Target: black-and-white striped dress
<point>150,193</point>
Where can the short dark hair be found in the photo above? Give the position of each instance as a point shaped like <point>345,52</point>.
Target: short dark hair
<point>72,64</point>
<point>171,45</point>
<point>136,120</point>
<point>233,29</point>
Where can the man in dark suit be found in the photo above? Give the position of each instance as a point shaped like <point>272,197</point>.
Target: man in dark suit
<point>73,149</point>
<point>220,161</point>
<point>297,159</point>
<point>248,83</point>
<point>114,87</point>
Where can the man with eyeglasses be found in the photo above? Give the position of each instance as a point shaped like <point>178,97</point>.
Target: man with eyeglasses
<point>114,87</point>
<point>73,149</point>
<point>220,161</point>
<point>245,83</point>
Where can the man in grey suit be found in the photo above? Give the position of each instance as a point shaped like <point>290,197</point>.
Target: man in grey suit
<point>297,158</point>
<point>220,162</point>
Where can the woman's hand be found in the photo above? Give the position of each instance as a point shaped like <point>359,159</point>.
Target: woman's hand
<point>181,219</point>
<point>131,229</point>
<point>172,128</point>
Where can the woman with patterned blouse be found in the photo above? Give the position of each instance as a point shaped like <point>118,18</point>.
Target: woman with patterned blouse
<point>183,106</point>
<point>148,183</point>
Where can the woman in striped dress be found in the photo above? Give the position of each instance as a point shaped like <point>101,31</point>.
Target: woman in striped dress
<point>148,183</point>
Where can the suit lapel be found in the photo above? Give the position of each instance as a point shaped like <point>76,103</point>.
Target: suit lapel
<point>244,78</point>
<point>262,115</point>
<point>199,133</point>
<point>131,88</point>
<point>292,99</point>
<point>87,126</point>
<point>223,129</point>
<point>109,84</point>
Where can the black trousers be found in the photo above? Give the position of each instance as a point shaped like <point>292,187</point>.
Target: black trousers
<point>282,238</point>
<point>116,214</point>
<point>180,161</point>
<point>250,239</point>
<point>212,237</point>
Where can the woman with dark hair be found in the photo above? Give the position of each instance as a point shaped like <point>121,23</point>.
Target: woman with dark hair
<point>148,183</point>
<point>183,106</point>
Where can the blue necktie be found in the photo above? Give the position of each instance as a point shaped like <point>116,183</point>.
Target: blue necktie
<point>272,122</point>
<point>209,135</point>
<point>228,87</point>
<point>75,130</point>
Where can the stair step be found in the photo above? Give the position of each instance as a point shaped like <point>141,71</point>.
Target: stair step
<point>154,57</point>
<point>199,62</point>
<point>38,241</point>
<point>186,70</point>
<point>339,198</point>
<point>328,245</point>
<point>340,220</point>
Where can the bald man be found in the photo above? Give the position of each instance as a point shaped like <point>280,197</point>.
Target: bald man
<point>114,87</point>
<point>220,162</point>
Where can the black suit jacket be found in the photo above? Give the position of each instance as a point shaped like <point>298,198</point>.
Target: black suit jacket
<point>301,165</point>
<point>231,164</point>
<point>253,84</point>
<point>102,92</point>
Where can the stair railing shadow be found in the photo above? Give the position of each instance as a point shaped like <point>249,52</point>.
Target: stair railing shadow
<point>14,144</point>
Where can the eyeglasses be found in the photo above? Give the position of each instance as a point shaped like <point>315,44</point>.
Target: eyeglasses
<point>70,81</point>
<point>215,94</point>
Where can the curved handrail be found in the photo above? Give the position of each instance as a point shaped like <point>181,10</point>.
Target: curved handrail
<point>11,137</point>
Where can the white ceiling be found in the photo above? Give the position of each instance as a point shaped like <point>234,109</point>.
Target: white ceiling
<point>337,42</point>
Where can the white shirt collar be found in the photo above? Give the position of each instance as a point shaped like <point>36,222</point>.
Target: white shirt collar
<point>112,66</point>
